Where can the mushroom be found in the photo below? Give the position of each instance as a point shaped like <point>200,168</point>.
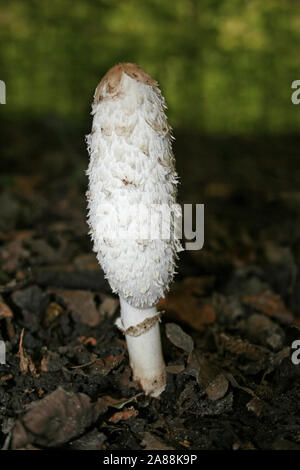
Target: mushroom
<point>132,165</point>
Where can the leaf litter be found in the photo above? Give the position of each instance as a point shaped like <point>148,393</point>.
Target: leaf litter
<point>228,325</point>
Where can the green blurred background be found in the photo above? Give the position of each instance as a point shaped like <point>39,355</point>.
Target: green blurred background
<point>225,67</point>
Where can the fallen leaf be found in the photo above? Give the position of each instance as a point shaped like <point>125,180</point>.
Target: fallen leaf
<point>31,299</point>
<point>189,400</point>
<point>262,330</point>
<point>179,338</point>
<point>234,384</point>
<point>82,305</point>
<point>33,302</point>
<point>269,304</point>
<point>209,377</point>
<point>56,419</point>
<point>200,368</point>
<point>103,366</point>
<point>127,413</point>
<point>183,306</point>
<point>242,347</point>
<point>26,363</point>
<point>217,388</point>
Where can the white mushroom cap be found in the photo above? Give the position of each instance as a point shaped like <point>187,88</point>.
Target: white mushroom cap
<point>131,163</point>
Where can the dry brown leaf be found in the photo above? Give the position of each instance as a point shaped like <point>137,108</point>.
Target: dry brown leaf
<point>217,388</point>
<point>123,415</point>
<point>209,377</point>
<point>200,368</point>
<point>26,363</point>
<point>269,304</point>
<point>241,347</point>
<point>82,305</point>
<point>103,366</point>
<point>179,338</point>
<point>56,419</point>
<point>234,384</point>
<point>183,306</point>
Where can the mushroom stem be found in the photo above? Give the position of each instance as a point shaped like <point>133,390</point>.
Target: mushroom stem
<point>144,347</point>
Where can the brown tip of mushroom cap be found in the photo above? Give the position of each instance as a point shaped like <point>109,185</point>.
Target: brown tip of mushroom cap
<point>113,77</point>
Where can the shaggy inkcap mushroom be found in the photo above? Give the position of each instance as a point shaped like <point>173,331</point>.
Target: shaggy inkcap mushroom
<point>132,165</point>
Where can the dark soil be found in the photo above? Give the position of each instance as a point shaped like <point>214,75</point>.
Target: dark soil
<point>229,323</point>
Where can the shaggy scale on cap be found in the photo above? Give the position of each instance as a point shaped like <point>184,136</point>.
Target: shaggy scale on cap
<point>131,163</point>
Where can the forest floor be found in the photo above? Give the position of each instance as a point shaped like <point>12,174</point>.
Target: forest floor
<point>230,319</point>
